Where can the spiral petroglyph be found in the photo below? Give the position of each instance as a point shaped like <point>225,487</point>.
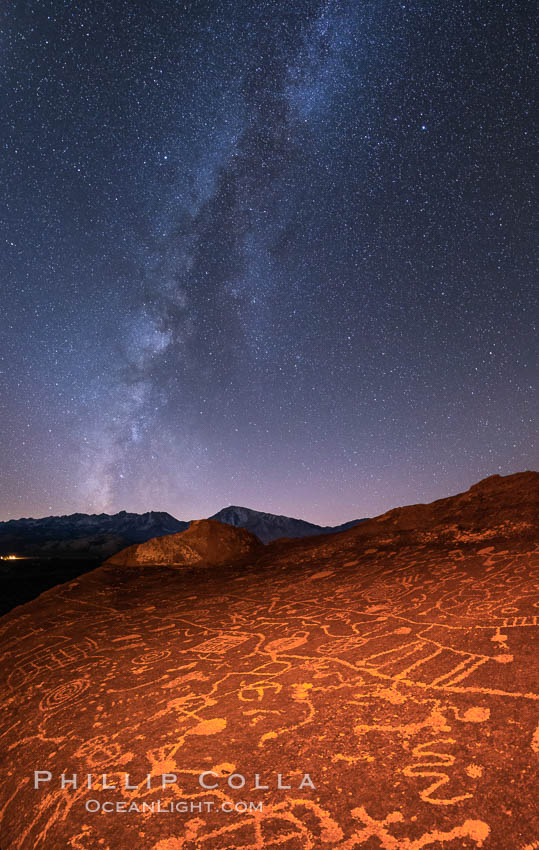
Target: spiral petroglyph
<point>64,694</point>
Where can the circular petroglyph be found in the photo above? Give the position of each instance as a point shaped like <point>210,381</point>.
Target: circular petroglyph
<point>68,692</point>
<point>151,657</point>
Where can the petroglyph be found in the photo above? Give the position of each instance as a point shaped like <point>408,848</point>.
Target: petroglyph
<point>476,830</point>
<point>432,758</point>
<point>67,693</point>
<point>220,644</point>
<point>46,658</point>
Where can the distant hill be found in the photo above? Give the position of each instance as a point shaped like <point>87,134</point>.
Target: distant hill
<point>269,527</point>
<point>205,543</point>
<point>84,535</point>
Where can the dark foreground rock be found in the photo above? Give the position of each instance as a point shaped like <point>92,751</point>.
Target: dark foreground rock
<point>25,579</point>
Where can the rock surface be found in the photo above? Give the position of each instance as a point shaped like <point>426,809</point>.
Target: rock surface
<point>395,663</point>
<point>503,506</point>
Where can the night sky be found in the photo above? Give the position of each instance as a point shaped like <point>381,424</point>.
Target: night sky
<point>275,254</point>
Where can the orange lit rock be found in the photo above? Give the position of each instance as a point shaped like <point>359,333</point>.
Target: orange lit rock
<point>205,543</point>
<point>364,660</point>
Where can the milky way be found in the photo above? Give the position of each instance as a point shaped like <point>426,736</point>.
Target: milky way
<point>275,254</point>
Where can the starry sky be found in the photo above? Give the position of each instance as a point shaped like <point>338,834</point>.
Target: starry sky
<point>276,254</point>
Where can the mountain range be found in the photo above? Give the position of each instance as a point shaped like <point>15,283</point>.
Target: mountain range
<point>90,536</point>
<point>98,536</point>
